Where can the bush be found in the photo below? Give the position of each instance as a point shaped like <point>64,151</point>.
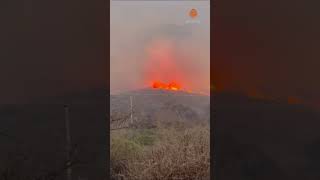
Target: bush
<point>122,152</point>
<point>145,137</point>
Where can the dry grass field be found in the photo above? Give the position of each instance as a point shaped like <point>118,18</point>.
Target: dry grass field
<point>168,151</point>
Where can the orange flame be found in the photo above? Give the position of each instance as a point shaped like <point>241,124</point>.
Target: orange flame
<point>170,86</point>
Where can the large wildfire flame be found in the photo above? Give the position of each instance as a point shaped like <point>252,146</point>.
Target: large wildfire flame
<point>162,68</point>
<point>170,86</point>
<point>166,67</point>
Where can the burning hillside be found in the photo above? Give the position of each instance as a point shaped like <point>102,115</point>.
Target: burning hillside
<point>167,67</point>
<point>167,86</point>
<point>162,66</point>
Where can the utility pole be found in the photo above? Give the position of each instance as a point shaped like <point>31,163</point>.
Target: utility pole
<point>131,116</point>
<point>68,138</point>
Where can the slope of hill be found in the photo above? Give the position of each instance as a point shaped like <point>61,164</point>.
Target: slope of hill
<point>254,139</point>
<point>152,104</point>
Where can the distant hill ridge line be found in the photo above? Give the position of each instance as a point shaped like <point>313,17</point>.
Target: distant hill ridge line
<point>136,94</point>
<point>158,92</point>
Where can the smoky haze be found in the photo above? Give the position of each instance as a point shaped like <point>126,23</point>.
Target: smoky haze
<point>155,42</point>
<point>268,47</point>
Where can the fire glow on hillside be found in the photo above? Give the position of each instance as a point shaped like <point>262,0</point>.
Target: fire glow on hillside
<point>163,68</point>
<point>167,67</point>
<point>170,86</point>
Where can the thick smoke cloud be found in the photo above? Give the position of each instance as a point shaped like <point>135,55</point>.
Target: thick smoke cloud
<point>159,46</point>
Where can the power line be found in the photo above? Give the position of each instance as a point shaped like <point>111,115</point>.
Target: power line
<point>131,118</point>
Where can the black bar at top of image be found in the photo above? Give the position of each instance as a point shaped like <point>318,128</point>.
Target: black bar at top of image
<point>161,0</point>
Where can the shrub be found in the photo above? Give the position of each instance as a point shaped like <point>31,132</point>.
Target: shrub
<point>145,137</point>
<point>122,152</point>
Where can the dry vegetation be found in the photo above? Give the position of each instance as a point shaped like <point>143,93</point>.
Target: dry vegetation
<point>169,151</point>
